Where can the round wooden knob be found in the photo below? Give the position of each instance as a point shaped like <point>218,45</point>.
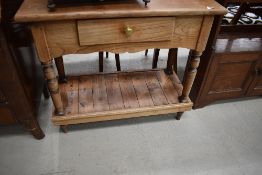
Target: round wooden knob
<point>128,31</point>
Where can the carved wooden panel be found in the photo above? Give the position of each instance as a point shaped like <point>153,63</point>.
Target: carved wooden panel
<point>230,75</point>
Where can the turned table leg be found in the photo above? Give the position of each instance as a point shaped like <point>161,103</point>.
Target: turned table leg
<point>53,87</point>
<point>189,77</point>
<point>60,69</point>
<point>172,59</point>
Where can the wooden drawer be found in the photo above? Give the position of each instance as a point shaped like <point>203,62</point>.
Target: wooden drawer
<point>108,31</point>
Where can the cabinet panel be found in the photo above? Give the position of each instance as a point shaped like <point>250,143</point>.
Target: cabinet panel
<point>229,76</point>
<point>256,85</point>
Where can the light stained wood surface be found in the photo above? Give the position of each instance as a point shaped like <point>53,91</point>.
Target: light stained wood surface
<point>122,92</point>
<point>185,34</point>
<point>36,10</point>
<point>204,32</point>
<point>109,31</point>
<point>95,28</point>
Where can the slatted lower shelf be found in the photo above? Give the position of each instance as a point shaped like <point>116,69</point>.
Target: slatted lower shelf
<point>102,97</point>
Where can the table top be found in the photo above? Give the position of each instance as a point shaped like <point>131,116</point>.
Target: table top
<point>36,10</point>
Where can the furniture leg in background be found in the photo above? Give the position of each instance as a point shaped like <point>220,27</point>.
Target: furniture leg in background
<point>155,58</point>
<point>101,61</point>
<point>171,61</point>
<point>60,69</point>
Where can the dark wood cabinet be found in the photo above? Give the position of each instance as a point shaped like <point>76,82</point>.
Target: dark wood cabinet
<point>19,99</point>
<point>21,81</point>
<point>231,64</point>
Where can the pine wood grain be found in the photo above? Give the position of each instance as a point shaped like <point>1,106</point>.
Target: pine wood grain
<point>114,94</point>
<point>142,92</point>
<point>186,33</point>
<point>155,89</point>
<point>109,31</point>
<point>120,95</point>
<point>121,114</point>
<point>128,91</point>
<point>36,10</point>
<point>99,94</point>
<point>168,88</point>
<point>204,32</point>
<point>70,96</point>
<point>86,103</point>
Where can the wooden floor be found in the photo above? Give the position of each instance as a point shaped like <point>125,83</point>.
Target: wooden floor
<point>119,95</point>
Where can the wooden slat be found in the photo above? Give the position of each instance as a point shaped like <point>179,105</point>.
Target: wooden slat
<point>155,89</point>
<point>99,93</point>
<point>128,91</point>
<point>113,92</point>
<point>120,95</point>
<point>168,88</point>
<point>86,103</point>
<point>121,114</point>
<point>69,92</point>
<point>141,89</point>
<point>176,83</point>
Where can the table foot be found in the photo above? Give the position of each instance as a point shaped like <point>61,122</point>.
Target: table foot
<point>179,115</point>
<point>34,128</point>
<point>64,128</point>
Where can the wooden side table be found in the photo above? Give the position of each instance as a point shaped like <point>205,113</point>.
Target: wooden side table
<point>120,27</point>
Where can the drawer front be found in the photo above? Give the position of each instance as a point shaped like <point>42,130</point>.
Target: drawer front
<point>108,31</point>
